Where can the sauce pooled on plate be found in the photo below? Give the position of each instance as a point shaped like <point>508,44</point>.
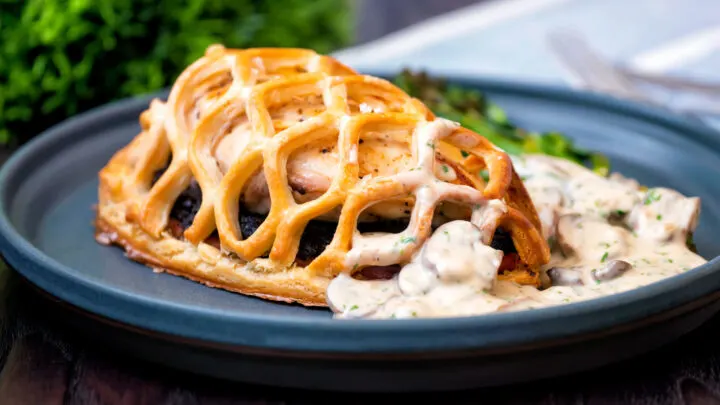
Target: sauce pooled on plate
<point>607,235</point>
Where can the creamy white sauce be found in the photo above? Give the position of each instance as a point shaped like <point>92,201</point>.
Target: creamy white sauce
<point>607,236</point>
<point>421,181</point>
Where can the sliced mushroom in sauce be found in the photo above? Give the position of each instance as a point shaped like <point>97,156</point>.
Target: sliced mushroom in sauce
<point>613,269</point>
<point>607,236</point>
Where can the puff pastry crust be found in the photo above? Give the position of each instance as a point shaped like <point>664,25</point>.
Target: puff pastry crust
<point>298,137</point>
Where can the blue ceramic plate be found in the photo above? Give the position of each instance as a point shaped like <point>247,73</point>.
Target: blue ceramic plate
<point>48,189</point>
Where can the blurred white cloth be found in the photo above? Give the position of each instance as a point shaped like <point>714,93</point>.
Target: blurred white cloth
<point>507,39</point>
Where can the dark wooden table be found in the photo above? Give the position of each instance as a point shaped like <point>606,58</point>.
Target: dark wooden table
<point>44,363</point>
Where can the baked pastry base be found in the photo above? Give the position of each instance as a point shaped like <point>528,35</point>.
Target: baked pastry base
<point>205,263</point>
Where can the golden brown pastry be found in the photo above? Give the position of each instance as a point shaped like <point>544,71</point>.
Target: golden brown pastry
<point>264,169</point>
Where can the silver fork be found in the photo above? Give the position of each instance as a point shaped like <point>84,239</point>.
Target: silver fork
<point>588,70</point>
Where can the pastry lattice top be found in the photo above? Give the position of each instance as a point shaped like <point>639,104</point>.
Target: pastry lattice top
<point>252,97</point>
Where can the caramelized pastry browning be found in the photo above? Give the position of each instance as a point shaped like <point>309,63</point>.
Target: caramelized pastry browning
<point>294,138</point>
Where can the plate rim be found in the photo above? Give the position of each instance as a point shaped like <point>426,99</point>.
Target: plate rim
<point>443,334</point>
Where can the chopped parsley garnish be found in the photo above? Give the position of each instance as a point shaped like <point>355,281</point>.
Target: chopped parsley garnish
<point>464,154</point>
<point>651,197</point>
<point>354,307</point>
<point>659,217</point>
<point>431,145</point>
<point>445,169</point>
<point>604,257</point>
<point>407,239</point>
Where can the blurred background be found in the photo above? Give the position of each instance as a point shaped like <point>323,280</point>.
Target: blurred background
<point>62,57</point>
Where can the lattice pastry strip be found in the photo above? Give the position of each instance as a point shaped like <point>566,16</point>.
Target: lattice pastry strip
<point>150,152</point>
<point>349,250</point>
<point>276,150</point>
<point>192,95</point>
<point>202,161</point>
<point>234,105</point>
<point>230,95</point>
<point>191,90</point>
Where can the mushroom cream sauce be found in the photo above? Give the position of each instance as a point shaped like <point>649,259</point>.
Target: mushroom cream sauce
<point>607,235</point>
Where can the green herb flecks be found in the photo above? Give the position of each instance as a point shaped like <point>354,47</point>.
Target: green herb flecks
<point>651,197</point>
